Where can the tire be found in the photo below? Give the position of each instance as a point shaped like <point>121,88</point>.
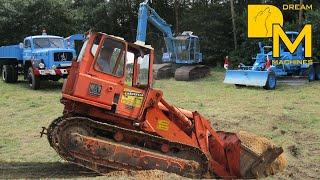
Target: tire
<point>317,71</point>
<point>9,74</point>
<point>271,81</point>
<point>311,74</point>
<point>34,81</point>
<point>15,74</point>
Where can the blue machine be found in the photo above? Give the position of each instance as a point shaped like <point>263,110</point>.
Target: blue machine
<point>260,75</point>
<point>182,50</point>
<point>75,42</point>
<point>42,57</point>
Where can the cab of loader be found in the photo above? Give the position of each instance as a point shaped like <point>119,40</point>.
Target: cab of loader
<point>113,74</point>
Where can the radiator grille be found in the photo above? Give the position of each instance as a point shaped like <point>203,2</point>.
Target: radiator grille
<point>63,56</point>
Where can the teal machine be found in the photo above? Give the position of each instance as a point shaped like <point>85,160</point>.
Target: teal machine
<point>263,75</point>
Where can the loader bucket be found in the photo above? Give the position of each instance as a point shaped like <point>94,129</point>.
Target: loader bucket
<point>246,77</point>
<point>259,157</point>
<point>248,155</point>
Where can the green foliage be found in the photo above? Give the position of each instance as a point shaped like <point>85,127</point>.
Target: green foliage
<point>210,20</point>
<point>213,26</point>
<point>20,18</point>
<point>314,18</point>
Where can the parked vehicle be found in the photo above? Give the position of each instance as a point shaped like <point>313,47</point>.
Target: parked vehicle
<point>75,42</point>
<point>183,58</point>
<point>38,58</point>
<point>263,73</point>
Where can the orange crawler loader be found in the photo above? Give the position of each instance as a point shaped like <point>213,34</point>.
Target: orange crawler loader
<point>113,118</point>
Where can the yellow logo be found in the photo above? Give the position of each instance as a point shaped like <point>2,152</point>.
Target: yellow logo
<point>261,19</point>
<point>305,33</point>
<point>265,21</point>
<point>163,125</point>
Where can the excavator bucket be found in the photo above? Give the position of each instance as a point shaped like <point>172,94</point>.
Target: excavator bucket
<point>246,77</point>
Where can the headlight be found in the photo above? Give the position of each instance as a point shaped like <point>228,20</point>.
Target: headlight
<point>38,64</point>
<point>41,65</point>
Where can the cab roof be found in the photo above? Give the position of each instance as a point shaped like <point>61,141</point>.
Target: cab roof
<point>44,36</point>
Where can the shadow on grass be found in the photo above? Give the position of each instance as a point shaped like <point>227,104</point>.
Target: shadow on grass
<point>37,170</point>
<point>44,85</point>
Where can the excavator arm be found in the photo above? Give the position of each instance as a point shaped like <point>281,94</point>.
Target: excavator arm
<point>148,14</point>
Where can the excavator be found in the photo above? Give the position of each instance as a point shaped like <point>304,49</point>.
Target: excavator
<point>183,57</point>
<point>114,119</point>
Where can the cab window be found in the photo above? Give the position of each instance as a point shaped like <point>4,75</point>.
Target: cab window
<point>129,68</point>
<point>81,54</point>
<point>111,59</point>
<point>27,44</point>
<point>142,69</point>
<point>95,45</point>
<point>143,65</point>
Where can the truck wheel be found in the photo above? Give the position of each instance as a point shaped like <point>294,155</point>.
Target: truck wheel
<point>9,74</point>
<point>317,71</point>
<point>311,74</point>
<point>15,74</point>
<point>271,82</point>
<point>34,81</point>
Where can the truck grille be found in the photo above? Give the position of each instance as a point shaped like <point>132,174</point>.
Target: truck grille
<point>63,56</point>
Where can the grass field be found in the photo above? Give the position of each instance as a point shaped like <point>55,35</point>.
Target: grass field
<point>290,116</point>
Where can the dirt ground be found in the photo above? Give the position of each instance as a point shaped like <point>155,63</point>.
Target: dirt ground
<point>65,170</point>
<point>289,116</point>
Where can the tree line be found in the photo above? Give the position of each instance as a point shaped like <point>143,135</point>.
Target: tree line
<point>220,24</point>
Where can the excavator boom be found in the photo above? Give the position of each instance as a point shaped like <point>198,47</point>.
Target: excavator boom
<point>113,118</point>
<point>183,57</point>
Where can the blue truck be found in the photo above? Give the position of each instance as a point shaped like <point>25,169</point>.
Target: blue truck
<point>261,75</point>
<point>38,58</point>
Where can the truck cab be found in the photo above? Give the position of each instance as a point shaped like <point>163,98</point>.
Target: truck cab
<point>47,52</point>
<point>40,57</point>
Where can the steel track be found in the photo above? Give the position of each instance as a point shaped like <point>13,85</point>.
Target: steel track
<point>57,128</point>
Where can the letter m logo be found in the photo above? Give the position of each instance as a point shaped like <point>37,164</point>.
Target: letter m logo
<point>305,33</point>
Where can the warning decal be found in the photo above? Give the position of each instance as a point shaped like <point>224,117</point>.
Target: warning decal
<point>163,125</point>
<point>132,98</point>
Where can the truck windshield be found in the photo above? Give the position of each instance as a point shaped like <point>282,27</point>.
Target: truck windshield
<point>48,43</point>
